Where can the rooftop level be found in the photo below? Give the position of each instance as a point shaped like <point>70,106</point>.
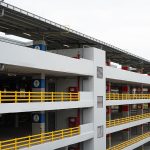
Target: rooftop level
<point>18,22</point>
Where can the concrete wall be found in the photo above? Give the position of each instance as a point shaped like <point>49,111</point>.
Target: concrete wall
<point>87,115</point>
<point>86,134</point>
<point>136,145</point>
<point>85,53</point>
<point>62,118</point>
<point>125,102</point>
<point>87,68</point>
<point>37,59</point>
<point>99,90</point>
<point>123,75</point>
<point>87,83</point>
<point>85,102</point>
<point>124,126</point>
<point>63,84</point>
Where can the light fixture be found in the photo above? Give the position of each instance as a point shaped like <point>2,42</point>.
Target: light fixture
<point>11,74</point>
<point>65,45</point>
<point>27,34</point>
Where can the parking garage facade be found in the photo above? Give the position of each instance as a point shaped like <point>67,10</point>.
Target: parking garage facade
<point>65,90</point>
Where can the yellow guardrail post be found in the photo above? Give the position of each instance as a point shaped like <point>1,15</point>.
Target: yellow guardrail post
<point>52,135</point>
<point>15,96</point>
<point>78,96</point>
<point>70,131</point>
<point>15,144</point>
<point>0,97</point>
<point>52,94</point>
<point>29,98</point>
<point>62,133</point>
<point>122,96</point>
<point>118,96</point>
<point>70,96</point>
<point>41,96</point>
<point>0,145</point>
<point>78,130</point>
<point>41,138</point>
<point>29,141</point>
<point>62,96</point>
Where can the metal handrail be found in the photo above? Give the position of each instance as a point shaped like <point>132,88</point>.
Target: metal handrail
<point>117,96</point>
<point>130,142</point>
<point>28,141</point>
<point>28,97</point>
<point>120,121</point>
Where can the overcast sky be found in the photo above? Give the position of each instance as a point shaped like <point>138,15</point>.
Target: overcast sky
<point>123,23</point>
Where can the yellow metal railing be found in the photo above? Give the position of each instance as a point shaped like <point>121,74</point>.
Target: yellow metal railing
<point>28,141</point>
<point>130,142</point>
<point>120,121</point>
<point>18,97</point>
<point>116,96</point>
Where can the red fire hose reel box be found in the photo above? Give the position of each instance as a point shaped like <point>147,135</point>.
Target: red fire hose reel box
<point>74,122</point>
<point>125,67</point>
<point>73,89</point>
<point>125,89</point>
<point>108,110</point>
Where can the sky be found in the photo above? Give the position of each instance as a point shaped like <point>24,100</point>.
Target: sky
<point>122,23</point>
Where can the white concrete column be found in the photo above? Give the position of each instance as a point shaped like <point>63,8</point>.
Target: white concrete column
<point>126,134</point>
<point>108,87</point>
<point>125,108</point>
<point>140,112</point>
<point>108,62</point>
<point>16,120</point>
<point>149,107</point>
<point>109,143</point>
<point>38,118</point>
<point>98,115</point>
<point>139,109</point>
<point>108,113</point>
<point>140,70</point>
<point>126,113</point>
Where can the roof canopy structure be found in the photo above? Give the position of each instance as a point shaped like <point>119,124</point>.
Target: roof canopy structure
<point>21,23</point>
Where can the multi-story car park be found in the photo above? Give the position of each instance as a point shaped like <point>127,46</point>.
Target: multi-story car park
<point>67,91</point>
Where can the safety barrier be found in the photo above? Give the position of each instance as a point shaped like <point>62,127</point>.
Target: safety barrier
<point>120,121</point>
<point>116,96</point>
<point>28,141</point>
<point>28,97</point>
<point>130,142</point>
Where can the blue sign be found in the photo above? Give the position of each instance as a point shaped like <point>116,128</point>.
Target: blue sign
<point>40,47</point>
<point>38,118</point>
<point>38,83</point>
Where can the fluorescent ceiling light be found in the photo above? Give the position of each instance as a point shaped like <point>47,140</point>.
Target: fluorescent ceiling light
<point>65,45</point>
